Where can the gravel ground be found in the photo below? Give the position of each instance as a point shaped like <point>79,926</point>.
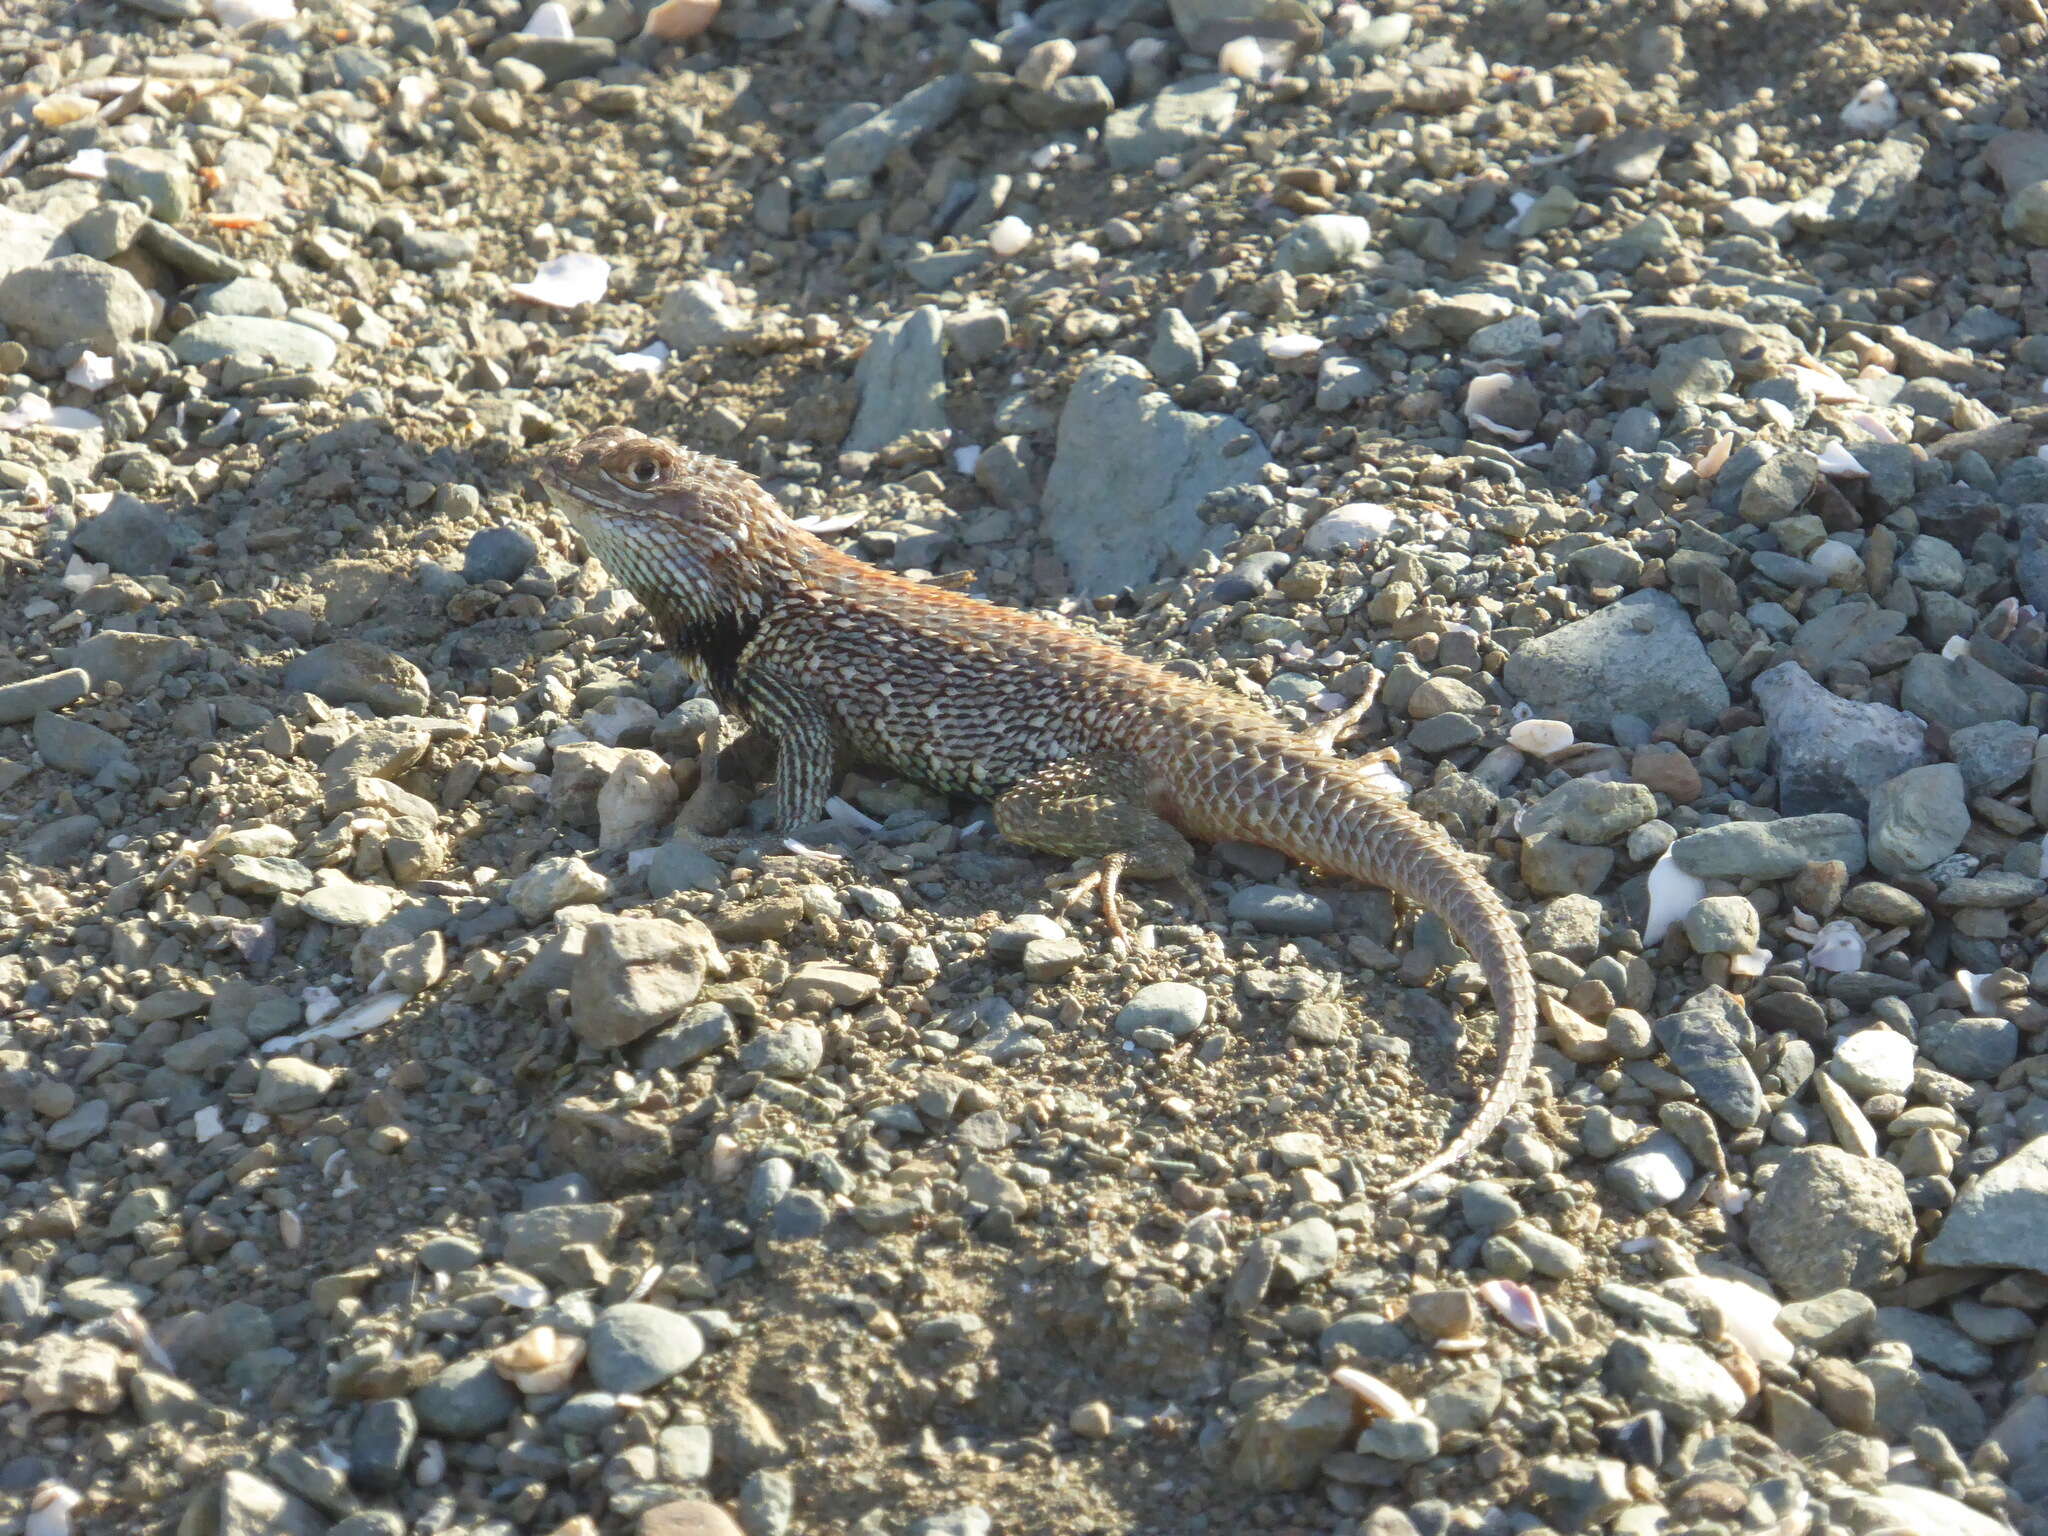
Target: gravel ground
<point>431,1104</point>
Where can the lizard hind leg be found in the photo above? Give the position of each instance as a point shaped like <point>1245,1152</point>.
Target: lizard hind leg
<point>1095,807</point>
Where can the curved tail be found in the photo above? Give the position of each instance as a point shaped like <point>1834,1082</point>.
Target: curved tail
<point>1324,811</point>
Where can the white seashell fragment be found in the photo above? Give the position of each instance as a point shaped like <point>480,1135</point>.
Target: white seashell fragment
<point>63,108</point>
<point>35,414</point>
<point>1827,388</point>
<point>346,1025</point>
<point>206,1124</point>
<point>1839,463</point>
<point>1873,109</point>
<point>548,20</point>
<point>1512,434</point>
<point>1672,894</point>
<point>1878,431</point>
<point>1543,738</point>
<point>1008,235</point>
<point>91,371</point>
<point>1074,257</point>
<point>49,1510</point>
<point>1954,646</point>
<point>523,1294</point>
<point>1384,779</point>
<point>1749,1316</point>
<point>86,165</point>
<point>1383,1400</point>
<point>1837,947</point>
<point>572,279</point>
<point>1976,989</point>
<point>1519,1307</point>
<point>966,456</point>
<point>1751,963</point>
<point>1286,346</point>
<point>540,1360</point>
<point>291,1230</point>
<point>1715,459</point>
<point>848,814</point>
<point>648,359</point>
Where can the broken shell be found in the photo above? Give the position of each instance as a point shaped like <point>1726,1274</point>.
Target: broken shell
<point>1838,463</point>
<point>1715,459</point>
<point>1519,1307</point>
<point>540,1360</point>
<point>49,1511</point>
<point>571,280</point>
<point>1377,1397</point>
<point>1837,947</point>
<point>1672,894</point>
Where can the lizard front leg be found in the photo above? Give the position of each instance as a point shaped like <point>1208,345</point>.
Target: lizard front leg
<point>806,748</point>
<point>1094,807</point>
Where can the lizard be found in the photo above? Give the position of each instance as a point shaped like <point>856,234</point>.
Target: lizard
<point>1083,749</point>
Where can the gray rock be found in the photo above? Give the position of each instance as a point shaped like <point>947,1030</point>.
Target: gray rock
<point>1182,117</point>
<point>498,554</point>
<point>552,884</point>
<point>75,301</point>
<point>286,1085</point>
<point>256,296</point>
<point>680,865</point>
<point>1278,1444</point>
<point>1176,354</point>
<point>1936,1343</point>
<point>466,1400</point>
<point>2000,1219</point>
<point>1638,656</point>
<point>1129,474</point>
<point>28,240</point>
<point>82,1125</point>
<point>1829,1219</point>
<point>792,1052</point>
<point>247,1505</point>
<point>62,841</point>
<point>1831,1320</point>
<point>1832,752</point>
<point>863,149</point>
<point>1580,1493</point>
<point>1869,197</point>
<point>1993,756</point>
<point>706,312</point>
<point>137,661</point>
<point>1778,488</point>
<point>1706,1041</point>
<point>33,696</point>
<point>537,1239</point>
<point>1918,819</point>
<point>283,346</point>
<point>565,58</point>
<point>1590,812</point>
<point>1272,909</point>
<point>1973,1048</point>
<point>1324,242</point>
<point>768,1497</point>
<point>1653,1173</point>
<point>381,1444</point>
<point>634,975</point>
<point>356,672</point>
<point>1771,850</point>
<point>133,537</point>
<point>635,1347</point>
<point>1869,1062</point>
<point>1723,925</point>
<point>155,178</point>
<point>1681,1380</point>
<point>1177,1007</point>
<point>76,746</point>
<point>902,381</point>
<point>1959,691</point>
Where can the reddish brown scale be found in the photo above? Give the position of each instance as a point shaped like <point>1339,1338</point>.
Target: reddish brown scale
<point>841,661</point>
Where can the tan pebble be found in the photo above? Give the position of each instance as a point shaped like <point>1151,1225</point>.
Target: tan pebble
<point>677,21</point>
<point>688,1517</point>
<point>1091,1421</point>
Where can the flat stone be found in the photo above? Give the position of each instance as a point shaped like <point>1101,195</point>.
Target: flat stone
<point>1639,656</point>
<point>2000,1218</point>
<point>283,346</point>
<point>1184,116</point>
<point>75,301</point>
<point>635,1347</point>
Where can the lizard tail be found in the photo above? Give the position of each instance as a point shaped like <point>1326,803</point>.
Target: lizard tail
<point>1325,812</point>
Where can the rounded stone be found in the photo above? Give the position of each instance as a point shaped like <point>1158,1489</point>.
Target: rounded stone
<point>636,1347</point>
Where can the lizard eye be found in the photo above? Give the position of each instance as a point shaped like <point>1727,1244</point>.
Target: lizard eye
<point>644,471</point>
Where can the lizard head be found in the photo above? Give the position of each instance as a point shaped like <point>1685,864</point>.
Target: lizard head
<point>689,535</point>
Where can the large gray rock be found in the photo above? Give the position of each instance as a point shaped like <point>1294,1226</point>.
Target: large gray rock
<point>902,381</point>
<point>864,148</point>
<point>255,342</point>
<point>1129,473</point>
<point>634,975</point>
<point>356,672</point>
<point>2000,1220</point>
<point>1830,1219</point>
<point>1639,656</point>
<point>27,239</point>
<point>1833,751</point>
<point>75,301</point>
<point>1918,819</point>
<point>1959,691</point>
<point>1869,198</point>
<point>1187,114</point>
<point>133,537</point>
